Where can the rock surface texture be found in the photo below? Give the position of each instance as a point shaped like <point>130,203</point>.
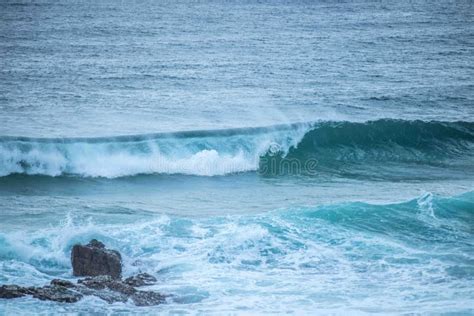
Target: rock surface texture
<point>141,279</point>
<point>104,287</point>
<point>94,259</point>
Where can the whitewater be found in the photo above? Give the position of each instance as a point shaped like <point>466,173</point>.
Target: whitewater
<point>284,157</point>
<point>318,227</point>
<point>221,152</point>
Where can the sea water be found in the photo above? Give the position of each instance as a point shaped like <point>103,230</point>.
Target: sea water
<point>305,157</point>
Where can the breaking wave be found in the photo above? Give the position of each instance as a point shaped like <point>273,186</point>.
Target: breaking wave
<point>332,145</point>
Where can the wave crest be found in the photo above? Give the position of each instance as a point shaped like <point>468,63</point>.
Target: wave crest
<point>334,145</point>
<point>203,153</point>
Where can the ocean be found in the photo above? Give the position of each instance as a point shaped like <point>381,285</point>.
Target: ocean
<point>257,157</point>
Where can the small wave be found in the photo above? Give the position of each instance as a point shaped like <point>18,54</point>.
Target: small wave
<point>408,220</point>
<point>331,145</point>
<point>429,216</point>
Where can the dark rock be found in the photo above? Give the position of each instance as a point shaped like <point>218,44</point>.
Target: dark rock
<point>57,294</point>
<point>121,288</point>
<point>111,290</point>
<point>111,297</point>
<point>106,282</point>
<point>96,283</point>
<point>104,268</point>
<point>103,287</point>
<point>141,279</point>
<point>12,291</point>
<point>96,244</point>
<point>94,259</point>
<point>64,283</point>
<point>148,298</point>
<point>104,294</point>
<point>49,293</point>
<point>30,290</point>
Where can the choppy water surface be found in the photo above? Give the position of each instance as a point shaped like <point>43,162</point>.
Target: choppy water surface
<point>283,157</point>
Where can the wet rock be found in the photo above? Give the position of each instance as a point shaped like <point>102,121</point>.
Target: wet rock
<point>94,259</point>
<point>112,290</point>
<point>104,293</point>
<point>103,268</point>
<point>121,288</point>
<point>148,298</point>
<point>57,294</point>
<point>106,282</point>
<point>141,279</point>
<point>47,293</point>
<point>64,283</point>
<point>111,297</point>
<point>96,283</point>
<point>12,291</point>
<point>104,287</point>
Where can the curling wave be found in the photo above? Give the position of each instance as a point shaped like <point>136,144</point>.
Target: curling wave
<point>332,145</point>
<point>204,153</point>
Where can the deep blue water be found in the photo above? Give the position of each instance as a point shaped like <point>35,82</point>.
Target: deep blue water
<point>305,157</point>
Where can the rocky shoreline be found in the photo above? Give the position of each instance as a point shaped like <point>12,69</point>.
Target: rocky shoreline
<point>102,269</point>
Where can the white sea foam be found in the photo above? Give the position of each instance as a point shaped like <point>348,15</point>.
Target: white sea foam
<point>223,264</point>
<point>201,155</point>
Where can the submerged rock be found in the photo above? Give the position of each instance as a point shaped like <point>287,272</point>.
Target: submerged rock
<point>94,259</point>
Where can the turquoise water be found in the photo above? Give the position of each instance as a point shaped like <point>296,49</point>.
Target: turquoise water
<point>390,258</point>
<point>256,157</point>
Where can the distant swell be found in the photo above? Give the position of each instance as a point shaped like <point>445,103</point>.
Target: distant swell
<point>334,145</point>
